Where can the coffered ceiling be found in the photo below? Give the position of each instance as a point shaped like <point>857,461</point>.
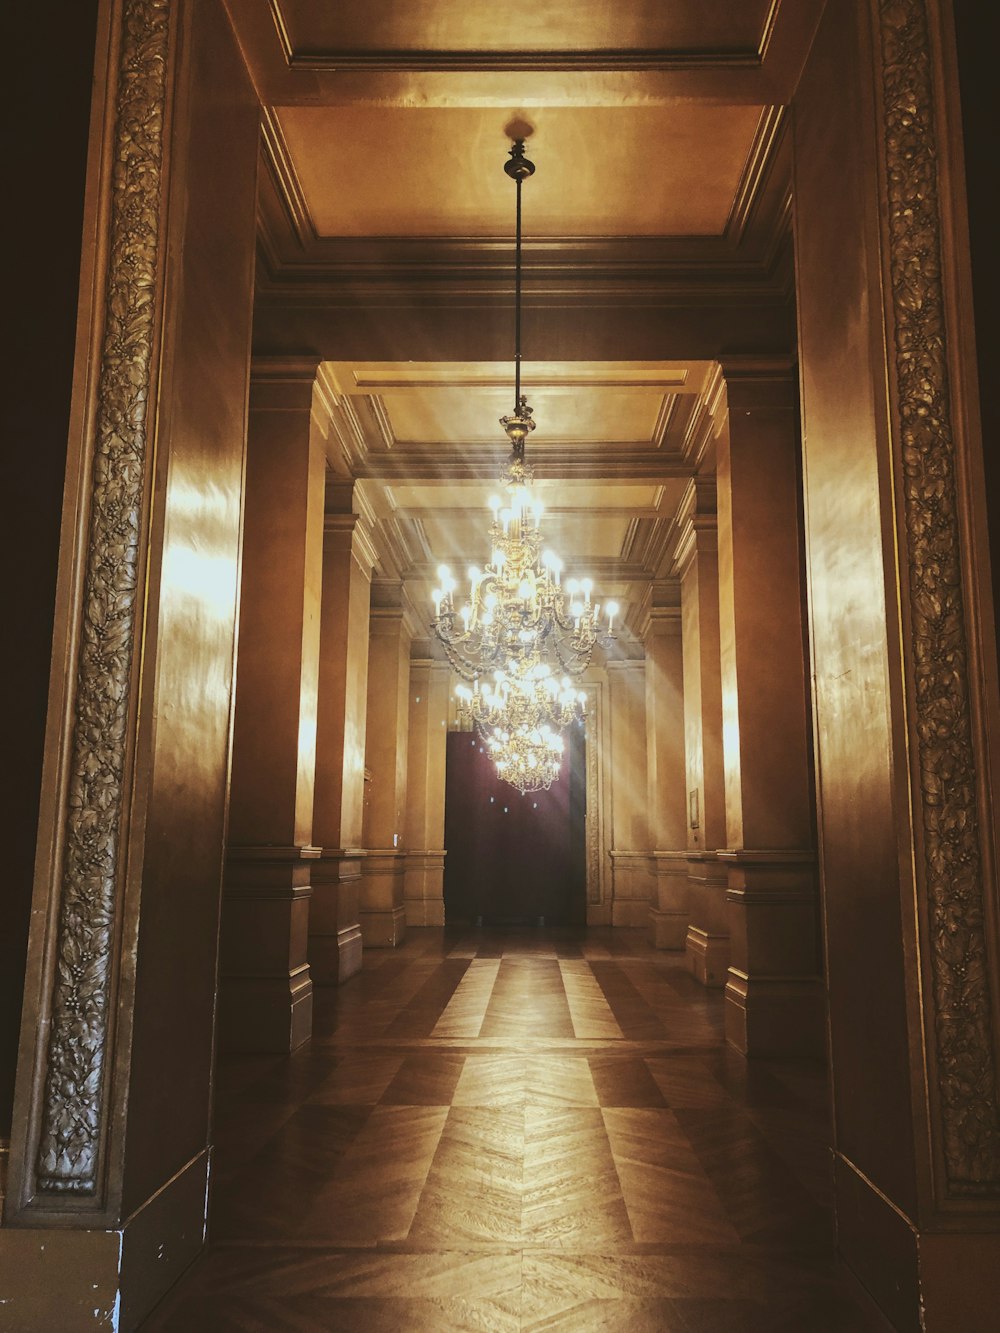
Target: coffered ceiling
<point>656,241</point>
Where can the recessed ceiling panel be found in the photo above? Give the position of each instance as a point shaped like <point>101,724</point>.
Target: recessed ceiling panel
<point>601,171</point>
<point>454,535</point>
<point>385,26</point>
<point>578,538</point>
<point>451,416</point>
<point>629,497</point>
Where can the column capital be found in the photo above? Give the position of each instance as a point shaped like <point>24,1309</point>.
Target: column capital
<point>620,666</point>
<point>388,620</point>
<point>660,609</point>
<point>388,595</point>
<point>338,531</point>
<point>422,662</point>
<point>696,522</point>
<point>282,383</point>
<point>339,494</point>
<point>346,533</point>
<point>760,381</point>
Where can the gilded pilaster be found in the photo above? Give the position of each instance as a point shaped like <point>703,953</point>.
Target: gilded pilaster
<point>423,884</point>
<point>696,565</point>
<point>335,941</point>
<point>265,999</point>
<point>668,913</point>
<point>383,915</point>
<point>775,1003</point>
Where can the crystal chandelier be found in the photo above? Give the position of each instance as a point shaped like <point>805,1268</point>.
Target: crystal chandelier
<point>529,760</point>
<point>520,625</point>
<point>520,720</point>
<point>534,701</point>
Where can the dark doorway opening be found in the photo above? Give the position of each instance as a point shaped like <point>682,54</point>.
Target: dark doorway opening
<point>513,859</point>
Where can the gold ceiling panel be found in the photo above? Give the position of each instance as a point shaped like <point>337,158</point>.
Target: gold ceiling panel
<point>436,172</point>
<point>454,416</point>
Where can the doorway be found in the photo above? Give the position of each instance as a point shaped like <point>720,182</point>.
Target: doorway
<point>513,858</point>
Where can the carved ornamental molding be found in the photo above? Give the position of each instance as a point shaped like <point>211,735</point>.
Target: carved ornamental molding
<point>68,1155</point>
<point>953,868</point>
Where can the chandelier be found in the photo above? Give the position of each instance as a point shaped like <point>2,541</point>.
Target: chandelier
<point>520,626</point>
<point>518,614</point>
<point>532,702</point>
<point>528,760</point>
<point>520,721</point>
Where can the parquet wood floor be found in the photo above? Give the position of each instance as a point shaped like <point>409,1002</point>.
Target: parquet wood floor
<point>511,1131</point>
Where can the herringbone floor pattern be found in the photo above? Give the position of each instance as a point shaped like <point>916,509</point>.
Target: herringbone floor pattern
<point>512,1131</point>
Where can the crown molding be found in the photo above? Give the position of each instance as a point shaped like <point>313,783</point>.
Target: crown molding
<point>290,68</point>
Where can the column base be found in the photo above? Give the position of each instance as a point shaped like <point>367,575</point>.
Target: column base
<point>707,947</point>
<point>632,912</point>
<point>423,888</point>
<point>383,930</point>
<point>707,956</point>
<point>335,941</point>
<point>633,887</point>
<point>70,1279</point>
<point>266,1014</point>
<point>265,987</point>
<point>776,1017</point>
<point>775,1000</point>
<point>667,929</point>
<point>383,916</point>
<point>334,959</point>
<point>668,914</point>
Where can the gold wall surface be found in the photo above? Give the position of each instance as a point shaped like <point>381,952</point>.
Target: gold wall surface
<point>152,552</point>
<point>905,698</point>
<point>849,519</point>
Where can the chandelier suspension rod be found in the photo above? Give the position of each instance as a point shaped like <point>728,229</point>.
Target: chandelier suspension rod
<point>517,303</point>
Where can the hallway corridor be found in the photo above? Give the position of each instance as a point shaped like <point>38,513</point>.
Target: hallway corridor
<point>518,1130</point>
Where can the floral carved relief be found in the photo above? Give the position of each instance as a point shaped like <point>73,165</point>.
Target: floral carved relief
<point>78,1042</point>
<point>953,868</point>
